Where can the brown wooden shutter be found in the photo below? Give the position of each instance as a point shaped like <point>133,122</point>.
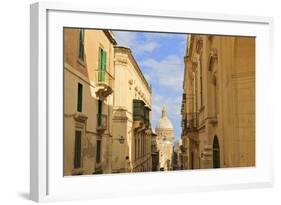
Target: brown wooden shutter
<point>77,150</point>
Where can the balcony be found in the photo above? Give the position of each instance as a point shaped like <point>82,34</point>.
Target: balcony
<point>105,83</point>
<point>139,114</point>
<point>183,102</point>
<point>190,122</point>
<point>138,110</point>
<point>146,116</point>
<point>101,122</point>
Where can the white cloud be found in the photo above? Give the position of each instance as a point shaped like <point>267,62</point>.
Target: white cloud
<point>147,46</point>
<point>131,40</point>
<point>150,35</point>
<point>125,38</point>
<point>168,71</point>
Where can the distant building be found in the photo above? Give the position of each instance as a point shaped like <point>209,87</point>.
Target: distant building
<point>178,155</point>
<point>218,103</point>
<point>132,135</point>
<point>165,140</point>
<point>88,100</point>
<point>154,152</point>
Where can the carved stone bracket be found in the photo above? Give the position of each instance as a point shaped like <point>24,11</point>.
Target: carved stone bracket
<point>80,117</point>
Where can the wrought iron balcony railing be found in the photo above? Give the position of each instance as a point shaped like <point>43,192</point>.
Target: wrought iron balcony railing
<point>101,122</point>
<point>104,77</point>
<point>190,122</point>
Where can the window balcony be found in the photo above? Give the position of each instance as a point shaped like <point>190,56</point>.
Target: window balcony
<point>190,122</point>
<point>140,115</point>
<point>105,84</point>
<point>146,116</point>
<point>138,110</point>
<point>101,122</point>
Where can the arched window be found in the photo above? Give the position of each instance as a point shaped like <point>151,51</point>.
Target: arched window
<point>216,153</point>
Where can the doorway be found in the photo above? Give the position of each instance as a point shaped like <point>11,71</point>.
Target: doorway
<point>216,153</point>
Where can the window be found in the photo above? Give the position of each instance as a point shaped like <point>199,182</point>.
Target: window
<point>81,44</point>
<point>79,97</point>
<point>77,149</point>
<point>102,65</point>
<point>98,155</point>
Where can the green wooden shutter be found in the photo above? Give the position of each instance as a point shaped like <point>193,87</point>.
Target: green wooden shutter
<point>79,97</point>
<point>81,44</point>
<point>103,65</point>
<point>104,60</point>
<point>77,149</point>
<point>100,65</point>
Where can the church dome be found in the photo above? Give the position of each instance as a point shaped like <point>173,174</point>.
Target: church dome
<point>164,122</point>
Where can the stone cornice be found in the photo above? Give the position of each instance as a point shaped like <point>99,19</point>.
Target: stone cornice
<point>110,36</point>
<point>133,61</point>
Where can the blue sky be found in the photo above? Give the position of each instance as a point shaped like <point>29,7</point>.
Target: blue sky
<point>160,56</point>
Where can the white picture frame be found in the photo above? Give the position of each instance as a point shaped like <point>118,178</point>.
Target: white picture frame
<point>46,177</point>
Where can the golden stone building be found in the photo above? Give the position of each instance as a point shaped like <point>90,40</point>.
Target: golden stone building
<point>165,141</point>
<point>132,135</point>
<point>88,100</point>
<point>154,152</point>
<point>178,155</point>
<point>218,107</point>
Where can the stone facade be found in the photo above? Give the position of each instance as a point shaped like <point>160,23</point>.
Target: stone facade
<point>165,141</point>
<point>131,116</point>
<point>218,106</point>
<point>88,100</point>
<point>178,155</point>
<point>154,152</point>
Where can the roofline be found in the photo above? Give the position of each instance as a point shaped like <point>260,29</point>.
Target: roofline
<point>110,36</point>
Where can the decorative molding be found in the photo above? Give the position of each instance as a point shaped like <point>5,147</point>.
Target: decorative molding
<point>121,60</point>
<point>80,117</point>
<point>127,51</point>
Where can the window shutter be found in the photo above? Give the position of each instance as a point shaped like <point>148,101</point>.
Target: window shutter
<point>81,44</point>
<point>100,65</point>
<point>100,59</point>
<point>103,67</point>
<point>79,97</point>
<point>104,60</point>
<point>98,154</point>
<point>77,151</point>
